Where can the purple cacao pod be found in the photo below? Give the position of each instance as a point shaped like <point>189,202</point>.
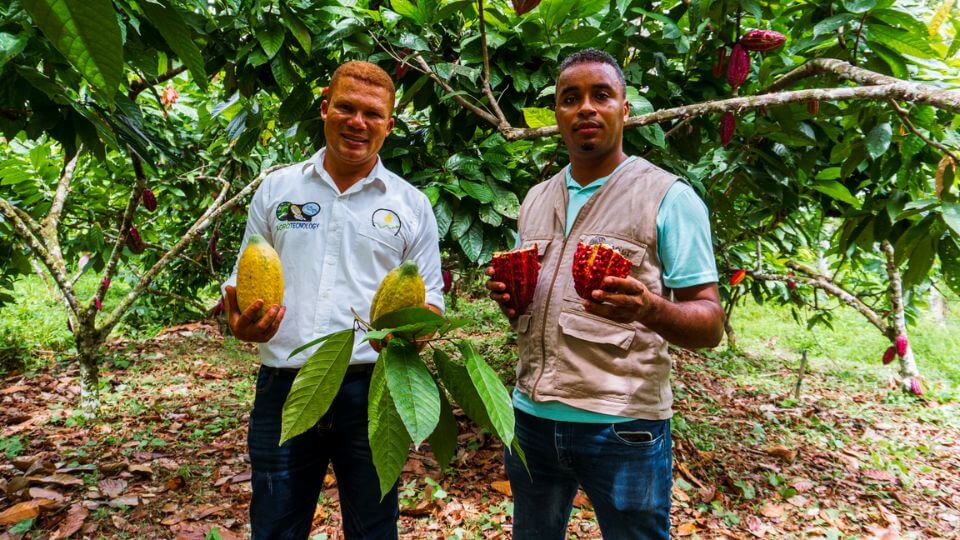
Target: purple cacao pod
<point>523,6</point>
<point>728,124</point>
<point>149,200</point>
<point>447,281</point>
<point>134,242</point>
<point>106,283</point>
<point>738,67</point>
<point>721,62</point>
<point>915,387</point>
<point>98,304</point>
<point>762,40</point>
<point>889,354</point>
<point>902,344</point>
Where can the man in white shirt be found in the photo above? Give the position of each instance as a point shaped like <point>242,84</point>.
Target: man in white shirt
<point>339,221</point>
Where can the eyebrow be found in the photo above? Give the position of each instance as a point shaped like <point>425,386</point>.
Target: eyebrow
<point>598,86</point>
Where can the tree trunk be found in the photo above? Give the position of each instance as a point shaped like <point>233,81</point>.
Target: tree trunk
<point>908,363</point>
<point>88,349</point>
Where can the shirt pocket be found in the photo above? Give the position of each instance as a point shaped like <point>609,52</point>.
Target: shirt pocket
<point>383,245</point>
<point>632,250</point>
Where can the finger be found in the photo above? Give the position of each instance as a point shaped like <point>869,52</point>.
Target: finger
<point>496,285</point>
<point>266,321</point>
<point>627,285</point>
<point>606,311</point>
<point>276,322</point>
<point>510,313</point>
<point>615,298</point>
<point>252,313</point>
<point>489,271</point>
<point>500,297</point>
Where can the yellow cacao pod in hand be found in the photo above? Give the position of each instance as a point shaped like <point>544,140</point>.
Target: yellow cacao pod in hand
<point>259,275</point>
<point>401,288</point>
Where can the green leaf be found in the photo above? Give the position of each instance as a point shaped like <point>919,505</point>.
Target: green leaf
<point>830,173</point>
<point>167,20</point>
<point>472,241</point>
<point>951,216</point>
<point>444,216</point>
<point>11,45</point>
<point>389,441</point>
<point>950,262</point>
<point>495,397</point>
<point>407,316</point>
<point>831,24</point>
<point>478,191</point>
<point>87,34</point>
<point>457,381</point>
<point>295,105</point>
<point>837,191</point>
<point>859,6</point>
<point>901,40</point>
<point>415,394</point>
<point>299,30</point>
<point>505,202</point>
<point>536,117</point>
<point>638,103</point>
<point>462,220</point>
<point>271,39</point>
<point>406,8</point>
<point>878,140</point>
<point>921,260</point>
<point>316,384</point>
<point>443,440</point>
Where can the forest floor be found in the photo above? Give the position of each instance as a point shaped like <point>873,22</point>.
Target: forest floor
<point>853,457</point>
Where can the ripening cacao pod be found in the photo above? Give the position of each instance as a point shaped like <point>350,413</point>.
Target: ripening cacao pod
<point>134,242</point>
<point>518,270</point>
<point>762,40</point>
<point>98,304</point>
<point>791,284</point>
<point>813,106</point>
<point>401,288</point>
<point>889,354</point>
<point>915,387</point>
<point>447,281</point>
<point>728,125</point>
<point>149,200</point>
<point>523,6</point>
<point>212,244</point>
<point>402,66</point>
<point>592,263</point>
<point>169,96</point>
<point>902,345</point>
<point>259,275</point>
<point>106,283</point>
<point>738,276</point>
<point>721,62</point>
<point>738,67</point>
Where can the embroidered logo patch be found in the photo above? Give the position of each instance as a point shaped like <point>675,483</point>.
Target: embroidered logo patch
<point>303,212</point>
<point>386,220</point>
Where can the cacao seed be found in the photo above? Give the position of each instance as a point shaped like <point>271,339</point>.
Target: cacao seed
<point>738,67</point>
<point>149,200</point>
<point>762,40</point>
<point>728,125</point>
<point>592,263</point>
<point>518,270</point>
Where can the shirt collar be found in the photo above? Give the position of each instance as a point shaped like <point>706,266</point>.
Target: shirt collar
<point>572,184</point>
<point>377,176</point>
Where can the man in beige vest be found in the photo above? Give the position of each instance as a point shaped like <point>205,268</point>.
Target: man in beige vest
<point>593,398</point>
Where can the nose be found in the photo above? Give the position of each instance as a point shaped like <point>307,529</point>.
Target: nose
<point>587,107</point>
<point>355,120</point>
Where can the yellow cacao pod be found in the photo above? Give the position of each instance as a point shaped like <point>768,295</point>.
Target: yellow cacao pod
<point>259,275</point>
<point>401,288</point>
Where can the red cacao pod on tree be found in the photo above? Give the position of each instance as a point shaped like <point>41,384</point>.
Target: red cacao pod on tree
<point>728,125</point>
<point>523,6</point>
<point>212,244</point>
<point>98,304</point>
<point>902,344</point>
<point>889,354</point>
<point>134,242</point>
<point>447,281</point>
<point>518,270</point>
<point>738,276</point>
<point>721,62</point>
<point>762,40</point>
<point>149,200</point>
<point>813,106</point>
<point>402,66</point>
<point>915,387</point>
<point>592,263</point>
<point>738,67</point>
<point>791,284</point>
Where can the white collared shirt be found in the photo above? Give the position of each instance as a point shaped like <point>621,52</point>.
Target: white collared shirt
<point>336,248</point>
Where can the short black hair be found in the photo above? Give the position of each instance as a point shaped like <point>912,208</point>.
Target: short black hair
<point>594,56</point>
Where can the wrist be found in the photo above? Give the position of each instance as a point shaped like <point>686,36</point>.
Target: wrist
<point>649,310</point>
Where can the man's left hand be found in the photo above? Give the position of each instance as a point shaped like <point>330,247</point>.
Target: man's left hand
<point>622,299</point>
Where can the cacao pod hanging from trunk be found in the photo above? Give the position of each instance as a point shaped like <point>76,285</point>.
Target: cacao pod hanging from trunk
<point>762,40</point>
<point>738,277</point>
<point>813,106</point>
<point>518,270</point>
<point>134,242</point>
<point>592,263</point>
<point>889,354</point>
<point>721,62</point>
<point>523,6</point>
<point>728,125</point>
<point>738,67</point>
<point>902,345</point>
<point>447,281</point>
<point>149,200</point>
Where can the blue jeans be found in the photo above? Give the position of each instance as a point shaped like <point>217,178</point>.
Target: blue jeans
<point>625,469</point>
<point>287,479</point>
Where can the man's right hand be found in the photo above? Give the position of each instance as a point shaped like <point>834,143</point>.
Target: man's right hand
<point>248,326</point>
<point>496,289</point>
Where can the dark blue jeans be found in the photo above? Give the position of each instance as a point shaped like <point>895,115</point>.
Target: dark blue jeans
<point>287,479</point>
<point>625,469</point>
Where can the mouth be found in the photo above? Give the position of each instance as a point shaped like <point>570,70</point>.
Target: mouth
<point>587,128</point>
<point>353,140</point>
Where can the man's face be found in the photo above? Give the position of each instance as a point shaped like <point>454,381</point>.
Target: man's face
<point>591,109</point>
<point>357,118</point>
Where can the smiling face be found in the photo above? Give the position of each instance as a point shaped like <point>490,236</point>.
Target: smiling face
<point>357,118</point>
<point>591,110</point>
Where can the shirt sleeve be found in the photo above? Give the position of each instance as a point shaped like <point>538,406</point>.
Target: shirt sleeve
<point>684,242</point>
<point>425,251</point>
<point>257,223</point>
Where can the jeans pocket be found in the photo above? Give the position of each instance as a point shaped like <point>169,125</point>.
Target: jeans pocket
<point>638,433</point>
<point>265,378</point>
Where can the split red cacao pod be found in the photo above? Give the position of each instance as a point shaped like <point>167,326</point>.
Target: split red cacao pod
<point>149,200</point>
<point>813,106</point>
<point>762,40</point>
<point>518,270</point>
<point>592,263</point>
<point>523,6</point>
<point>738,67</point>
<point>721,62</point>
<point>728,125</point>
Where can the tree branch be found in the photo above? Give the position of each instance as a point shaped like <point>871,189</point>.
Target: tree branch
<point>215,210</point>
<point>486,71</point>
<point>425,68</point>
<point>905,117</point>
<point>908,363</point>
<point>60,196</point>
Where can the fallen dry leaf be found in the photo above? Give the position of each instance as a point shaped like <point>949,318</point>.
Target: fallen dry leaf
<point>74,521</point>
<point>502,486</point>
<point>686,529</point>
<point>882,477</point>
<point>21,511</point>
<point>41,493</point>
<point>782,452</point>
<point>142,468</point>
<point>62,480</point>
<point>129,500</point>
<point>582,501</point>
<point>112,487</point>
<point>772,510</point>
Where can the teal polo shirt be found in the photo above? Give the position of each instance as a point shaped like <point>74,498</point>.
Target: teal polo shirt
<point>684,247</point>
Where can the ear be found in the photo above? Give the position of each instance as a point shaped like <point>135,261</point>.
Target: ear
<point>390,125</point>
<point>626,108</point>
<point>323,109</point>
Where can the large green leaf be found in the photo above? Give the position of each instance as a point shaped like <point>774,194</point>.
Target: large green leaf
<point>457,381</point>
<point>316,384</point>
<point>443,440</point>
<point>878,140</point>
<point>921,260</point>
<point>389,441</point>
<point>11,45</point>
<point>472,241</point>
<point>951,216</point>
<point>495,397</point>
<point>167,20</point>
<point>901,40</point>
<point>407,317</point>
<point>536,117</point>
<point>950,262</point>
<point>837,191</point>
<point>296,27</point>
<point>415,394</point>
<point>87,34</point>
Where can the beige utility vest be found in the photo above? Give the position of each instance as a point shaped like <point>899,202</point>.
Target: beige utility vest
<point>567,354</point>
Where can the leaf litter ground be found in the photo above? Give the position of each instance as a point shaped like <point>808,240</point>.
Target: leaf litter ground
<point>168,457</point>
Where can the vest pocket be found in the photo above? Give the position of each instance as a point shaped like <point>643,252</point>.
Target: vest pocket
<point>586,327</point>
